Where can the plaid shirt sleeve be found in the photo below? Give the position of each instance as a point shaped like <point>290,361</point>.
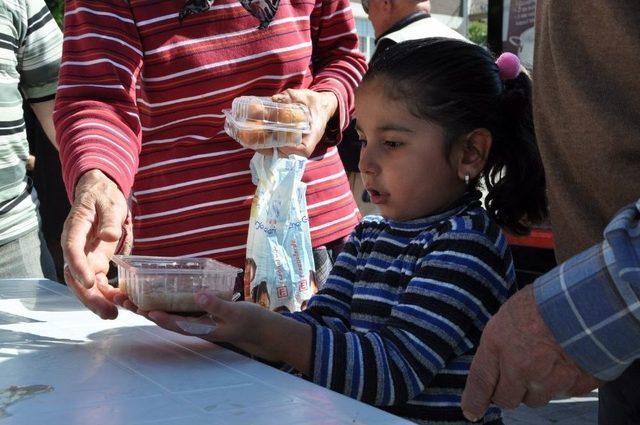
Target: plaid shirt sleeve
<point>591,301</point>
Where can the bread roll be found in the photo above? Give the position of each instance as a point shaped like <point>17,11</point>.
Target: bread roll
<point>254,135</point>
<point>291,115</point>
<point>289,138</point>
<point>256,111</point>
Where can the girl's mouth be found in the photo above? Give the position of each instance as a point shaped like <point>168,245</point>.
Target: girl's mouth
<point>377,197</point>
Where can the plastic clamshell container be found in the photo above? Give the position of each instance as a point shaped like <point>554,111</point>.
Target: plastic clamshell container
<point>169,284</point>
<point>259,123</point>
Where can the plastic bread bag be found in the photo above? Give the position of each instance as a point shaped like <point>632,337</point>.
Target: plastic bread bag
<point>279,268</point>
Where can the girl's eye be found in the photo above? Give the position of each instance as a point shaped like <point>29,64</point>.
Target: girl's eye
<point>391,144</point>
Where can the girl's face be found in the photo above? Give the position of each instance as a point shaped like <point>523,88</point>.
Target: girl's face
<point>404,162</point>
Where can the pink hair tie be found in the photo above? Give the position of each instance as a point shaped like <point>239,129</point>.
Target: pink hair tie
<point>508,66</point>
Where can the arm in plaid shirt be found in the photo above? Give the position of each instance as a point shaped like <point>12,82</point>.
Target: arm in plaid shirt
<point>591,302</point>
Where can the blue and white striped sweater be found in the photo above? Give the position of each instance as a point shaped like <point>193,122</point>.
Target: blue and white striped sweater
<point>403,309</point>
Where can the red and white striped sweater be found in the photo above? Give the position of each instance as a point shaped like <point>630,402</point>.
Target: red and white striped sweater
<point>141,95</point>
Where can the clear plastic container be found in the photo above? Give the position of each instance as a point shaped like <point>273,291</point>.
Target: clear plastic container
<point>169,284</point>
<point>259,123</point>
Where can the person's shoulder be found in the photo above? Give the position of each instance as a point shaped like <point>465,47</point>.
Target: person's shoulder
<point>432,27</point>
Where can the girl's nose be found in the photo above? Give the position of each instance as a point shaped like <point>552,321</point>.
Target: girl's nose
<point>367,163</point>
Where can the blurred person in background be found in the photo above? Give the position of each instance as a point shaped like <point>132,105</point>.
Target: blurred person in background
<point>393,21</point>
<point>30,50</point>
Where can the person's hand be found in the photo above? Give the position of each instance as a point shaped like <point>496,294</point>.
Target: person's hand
<point>31,163</point>
<point>322,106</point>
<point>91,235</point>
<point>241,324</point>
<point>519,361</point>
<point>248,326</point>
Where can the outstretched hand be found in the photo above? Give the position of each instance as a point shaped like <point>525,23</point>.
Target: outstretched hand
<point>519,361</point>
<point>92,232</point>
<point>238,323</point>
<point>248,326</point>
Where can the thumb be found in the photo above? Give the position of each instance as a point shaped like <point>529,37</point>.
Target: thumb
<point>110,220</point>
<point>283,97</point>
<point>481,383</point>
<point>212,304</point>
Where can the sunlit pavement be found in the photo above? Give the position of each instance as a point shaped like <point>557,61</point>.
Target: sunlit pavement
<point>572,411</point>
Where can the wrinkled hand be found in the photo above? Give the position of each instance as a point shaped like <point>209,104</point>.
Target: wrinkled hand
<point>239,323</point>
<point>90,236</point>
<point>322,106</point>
<point>519,361</point>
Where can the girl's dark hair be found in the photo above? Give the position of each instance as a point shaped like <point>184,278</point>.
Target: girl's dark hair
<point>456,85</point>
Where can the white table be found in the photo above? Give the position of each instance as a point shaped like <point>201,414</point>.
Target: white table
<point>60,364</point>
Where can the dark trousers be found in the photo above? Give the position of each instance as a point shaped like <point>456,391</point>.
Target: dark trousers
<point>619,400</point>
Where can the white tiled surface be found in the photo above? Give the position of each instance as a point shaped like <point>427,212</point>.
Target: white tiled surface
<point>129,371</point>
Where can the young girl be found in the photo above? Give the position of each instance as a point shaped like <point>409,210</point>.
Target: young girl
<point>399,318</point>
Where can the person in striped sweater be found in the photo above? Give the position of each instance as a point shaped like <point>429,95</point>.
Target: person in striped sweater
<point>140,125</point>
<point>399,319</point>
<point>30,50</point>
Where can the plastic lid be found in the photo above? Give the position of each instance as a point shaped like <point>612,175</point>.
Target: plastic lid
<point>270,115</point>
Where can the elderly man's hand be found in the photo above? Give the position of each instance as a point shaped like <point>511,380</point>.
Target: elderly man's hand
<point>322,106</point>
<point>91,234</point>
<point>519,361</point>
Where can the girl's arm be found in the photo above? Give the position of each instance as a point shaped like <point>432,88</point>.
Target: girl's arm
<point>272,336</point>
<point>458,284</point>
<point>331,306</point>
<point>248,326</point>
<point>439,317</point>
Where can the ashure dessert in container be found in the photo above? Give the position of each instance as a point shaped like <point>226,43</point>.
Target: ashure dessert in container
<point>260,123</point>
<point>169,284</point>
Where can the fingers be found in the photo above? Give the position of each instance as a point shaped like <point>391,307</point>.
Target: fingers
<point>97,298</point>
<point>584,384</point>
<point>162,319</point>
<point>123,300</point>
<point>301,150</point>
<point>482,380</point>
<point>564,380</point>
<point>536,396</point>
<point>214,305</point>
<point>510,391</point>
<point>265,152</point>
<point>77,227</point>
<point>284,97</point>
<point>202,326</point>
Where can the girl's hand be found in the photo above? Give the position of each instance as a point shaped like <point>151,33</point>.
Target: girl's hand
<point>236,323</point>
<point>322,106</point>
<point>248,326</point>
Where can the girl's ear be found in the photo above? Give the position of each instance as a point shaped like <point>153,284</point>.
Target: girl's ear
<point>473,154</point>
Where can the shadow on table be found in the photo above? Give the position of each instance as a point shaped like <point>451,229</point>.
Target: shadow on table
<point>42,297</point>
<point>12,341</point>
